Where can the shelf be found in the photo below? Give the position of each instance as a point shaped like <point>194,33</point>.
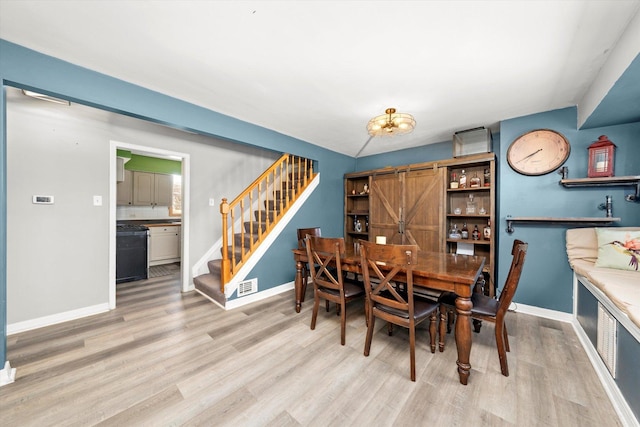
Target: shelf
<point>485,216</point>
<point>613,181</point>
<point>358,195</point>
<point>358,213</point>
<point>454,190</point>
<point>475,242</point>
<point>582,221</point>
<point>358,233</point>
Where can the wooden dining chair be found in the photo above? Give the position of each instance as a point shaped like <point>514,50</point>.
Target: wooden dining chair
<point>382,266</point>
<point>302,235</point>
<point>491,310</point>
<point>325,264</point>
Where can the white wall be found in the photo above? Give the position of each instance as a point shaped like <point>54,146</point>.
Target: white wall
<point>57,256</point>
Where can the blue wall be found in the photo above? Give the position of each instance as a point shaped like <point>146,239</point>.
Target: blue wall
<point>547,279</point>
<point>25,68</point>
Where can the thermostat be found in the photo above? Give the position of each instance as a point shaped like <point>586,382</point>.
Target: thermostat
<point>43,200</point>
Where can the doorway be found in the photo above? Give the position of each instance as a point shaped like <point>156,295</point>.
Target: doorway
<point>184,159</point>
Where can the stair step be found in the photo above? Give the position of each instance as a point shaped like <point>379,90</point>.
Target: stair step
<point>215,267</point>
<point>272,205</point>
<point>256,227</point>
<point>209,285</point>
<point>262,216</point>
<point>238,237</point>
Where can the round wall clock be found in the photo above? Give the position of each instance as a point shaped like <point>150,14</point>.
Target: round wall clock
<point>538,152</point>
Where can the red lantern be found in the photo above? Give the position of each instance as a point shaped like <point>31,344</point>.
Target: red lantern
<point>601,158</point>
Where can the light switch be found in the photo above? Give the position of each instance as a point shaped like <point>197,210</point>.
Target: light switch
<point>212,202</point>
<point>97,200</point>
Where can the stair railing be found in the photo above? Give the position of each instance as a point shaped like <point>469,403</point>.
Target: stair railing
<point>271,194</point>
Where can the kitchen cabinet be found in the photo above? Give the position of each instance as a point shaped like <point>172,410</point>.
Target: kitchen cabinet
<point>164,244</point>
<point>152,189</point>
<point>124,189</point>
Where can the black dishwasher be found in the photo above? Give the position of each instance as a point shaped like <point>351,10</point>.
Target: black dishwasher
<point>131,252</point>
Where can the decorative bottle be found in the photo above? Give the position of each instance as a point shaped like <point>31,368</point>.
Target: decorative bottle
<point>454,233</point>
<point>366,223</point>
<point>355,222</point>
<point>454,180</point>
<point>476,232</point>
<point>487,178</point>
<point>486,233</point>
<point>463,180</point>
<point>471,206</point>
<point>475,181</point>
<point>465,230</point>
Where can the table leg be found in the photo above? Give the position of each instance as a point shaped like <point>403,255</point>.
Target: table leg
<point>298,286</point>
<point>463,337</point>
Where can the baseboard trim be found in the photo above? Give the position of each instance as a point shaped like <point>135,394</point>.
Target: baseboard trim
<point>239,302</point>
<point>53,319</point>
<point>7,375</point>
<point>543,312</point>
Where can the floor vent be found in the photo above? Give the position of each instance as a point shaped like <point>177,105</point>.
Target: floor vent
<point>247,287</point>
<point>607,338</point>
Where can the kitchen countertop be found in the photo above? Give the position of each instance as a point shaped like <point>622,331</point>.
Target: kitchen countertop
<point>152,222</point>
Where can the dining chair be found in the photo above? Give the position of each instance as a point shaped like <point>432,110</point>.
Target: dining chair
<point>302,235</point>
<point>325,264</point>
<point>382,266</point>
<point>491,310</point>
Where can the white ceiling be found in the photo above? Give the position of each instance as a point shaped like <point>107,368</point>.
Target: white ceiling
<point>319,70</point>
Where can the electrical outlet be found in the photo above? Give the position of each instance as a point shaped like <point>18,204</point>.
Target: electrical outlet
<point>212,202</point>
<point>97,200</point>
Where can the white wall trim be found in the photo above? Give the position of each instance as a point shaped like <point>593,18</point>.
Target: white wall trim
<point>53,319</point>
<point>239,302</point>
<point>7,374</point>
<point>543,312</point>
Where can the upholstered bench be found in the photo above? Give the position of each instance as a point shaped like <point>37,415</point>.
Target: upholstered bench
<point>606,308</point>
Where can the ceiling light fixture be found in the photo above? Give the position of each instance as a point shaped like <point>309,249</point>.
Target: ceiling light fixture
<point>391,123</point>
<point>45,97</point>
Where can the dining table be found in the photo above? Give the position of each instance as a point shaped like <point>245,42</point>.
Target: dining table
<point>440,271</point>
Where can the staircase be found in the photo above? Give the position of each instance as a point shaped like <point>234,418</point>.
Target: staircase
<point>249,219</point>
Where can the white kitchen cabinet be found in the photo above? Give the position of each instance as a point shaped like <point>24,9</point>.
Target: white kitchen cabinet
<point>124,190</point>
<point>152,189</point>
<point>164,244</point>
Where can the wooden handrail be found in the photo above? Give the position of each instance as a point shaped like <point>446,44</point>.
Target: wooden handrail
<point>287,177</point>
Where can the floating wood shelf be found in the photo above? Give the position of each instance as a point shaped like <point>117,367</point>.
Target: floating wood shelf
<point>581,221</point>
<point>614,181</point>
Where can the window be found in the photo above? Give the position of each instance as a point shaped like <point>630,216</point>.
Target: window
<point>176,207</point>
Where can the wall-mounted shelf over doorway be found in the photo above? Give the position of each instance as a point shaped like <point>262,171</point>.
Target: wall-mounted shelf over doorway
<point>614,181</point>
<point>580,221</point>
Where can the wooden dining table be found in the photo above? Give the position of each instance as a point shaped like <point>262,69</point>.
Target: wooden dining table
<point>435,270</point>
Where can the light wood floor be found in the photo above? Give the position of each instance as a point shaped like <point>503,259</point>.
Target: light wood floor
<point>166,358</point>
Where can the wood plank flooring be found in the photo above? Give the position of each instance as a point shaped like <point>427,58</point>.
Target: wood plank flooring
<point>166,358</point>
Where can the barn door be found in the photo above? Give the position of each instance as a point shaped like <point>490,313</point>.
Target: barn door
<point>407,208</point>
<point>423,209</point>
<point>385,202</point>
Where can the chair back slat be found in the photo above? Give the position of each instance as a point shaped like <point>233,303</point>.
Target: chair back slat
<point>325,264</point>
<point>303,232</point>
<point>381,264</point>
<point>518,251</point>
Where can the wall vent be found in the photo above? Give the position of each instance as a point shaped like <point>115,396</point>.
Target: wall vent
<point>247,287</point>
<point>607,338</point>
